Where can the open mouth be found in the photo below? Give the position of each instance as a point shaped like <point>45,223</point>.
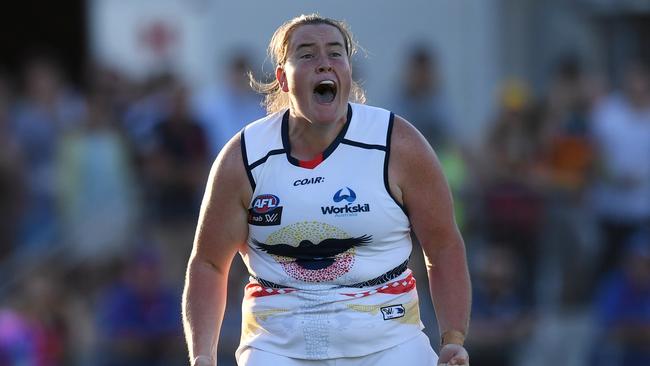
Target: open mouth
<point>325,91</point>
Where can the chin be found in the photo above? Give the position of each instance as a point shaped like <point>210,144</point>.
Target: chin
<point>329,113</point>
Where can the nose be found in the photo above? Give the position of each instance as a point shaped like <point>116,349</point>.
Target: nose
<point>325,67</point>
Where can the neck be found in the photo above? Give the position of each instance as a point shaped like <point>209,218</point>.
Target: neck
<point>309,139</point>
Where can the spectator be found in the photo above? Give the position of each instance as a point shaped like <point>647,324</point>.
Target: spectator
<point>501,320</point>
<point>622,191</point>
<point>178,162</point>
<point>513,208</point>
<point>47,110</point>
<point>568,159</point>
<point>421,98</point>
<point>224,108</point>
<point>38,319</point>
<point>513,144</point>
<point>566,130</point>
<point>138,316</point>
<point>17,343</point>
<point>98,198</point>
<point>623,308</point>
<point>146,110</point>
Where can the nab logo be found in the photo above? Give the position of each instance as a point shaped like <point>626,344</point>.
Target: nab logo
<point>265,203</point>
<point>393,312</point>
<point>340,196</point>
<point>265,211</point>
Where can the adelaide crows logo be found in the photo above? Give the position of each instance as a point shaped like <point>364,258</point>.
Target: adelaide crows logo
<point>312,251</point>
<point>315,256</point>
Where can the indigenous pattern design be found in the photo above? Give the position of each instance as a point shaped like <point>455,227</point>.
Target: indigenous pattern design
<point>313,251</point>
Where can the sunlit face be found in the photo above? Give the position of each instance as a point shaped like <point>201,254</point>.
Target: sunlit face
<point>317,74</point>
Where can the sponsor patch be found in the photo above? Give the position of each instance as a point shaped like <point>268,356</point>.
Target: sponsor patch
<point>269,218</point>
<point>265,202</point>
<point>265,211</point>
<point>345,198</point>
<point>393,312</point>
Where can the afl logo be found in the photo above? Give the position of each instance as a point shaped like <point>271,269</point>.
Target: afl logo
<point>265,203</point>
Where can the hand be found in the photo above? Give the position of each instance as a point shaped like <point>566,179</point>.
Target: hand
<point>453,354</point>
<point>203,361</point>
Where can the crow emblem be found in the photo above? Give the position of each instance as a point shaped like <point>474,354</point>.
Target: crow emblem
<point>314,256</point>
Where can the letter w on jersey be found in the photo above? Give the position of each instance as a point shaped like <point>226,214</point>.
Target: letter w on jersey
<point>393,312</point>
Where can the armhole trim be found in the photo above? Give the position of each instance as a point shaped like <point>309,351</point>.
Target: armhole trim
<point>387,158</point>
<point>245,157</point>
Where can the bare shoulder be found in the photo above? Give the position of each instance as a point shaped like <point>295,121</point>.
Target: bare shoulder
<point>407,141</point>
<point>416,175</point>
<point>222,226</point>
<point>229,172</point>
<point>411,157</point>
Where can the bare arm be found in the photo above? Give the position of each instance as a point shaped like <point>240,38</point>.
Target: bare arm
<point>222,229</point>
<point>416,178</point>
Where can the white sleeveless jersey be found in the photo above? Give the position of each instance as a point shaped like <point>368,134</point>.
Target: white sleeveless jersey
<point>327,246</point>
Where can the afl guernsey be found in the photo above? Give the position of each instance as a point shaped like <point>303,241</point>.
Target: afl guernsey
<point>328,245</point>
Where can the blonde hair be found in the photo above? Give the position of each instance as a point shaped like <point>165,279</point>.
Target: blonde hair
<point>275,99</point>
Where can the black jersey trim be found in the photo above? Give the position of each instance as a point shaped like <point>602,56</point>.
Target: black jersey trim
<point>387,158</point>
<point>245,157</point>
<point>362,145</point>
<point>328,151</point>
<point>263,160</point>
<point>380,280</point>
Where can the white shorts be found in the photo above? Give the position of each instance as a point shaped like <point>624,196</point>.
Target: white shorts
<point>415,351</point>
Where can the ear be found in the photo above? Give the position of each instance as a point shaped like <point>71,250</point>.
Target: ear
<point>281,76</point>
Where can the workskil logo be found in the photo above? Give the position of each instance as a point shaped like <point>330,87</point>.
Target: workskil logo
<point>265,211</point>
<point>340,196</point>
<point>348,195</point>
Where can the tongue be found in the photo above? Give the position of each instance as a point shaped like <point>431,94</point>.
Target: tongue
<point>325,95</point>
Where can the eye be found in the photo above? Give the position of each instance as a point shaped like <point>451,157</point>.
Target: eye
<point>336,54</point>
<point>307,56</point>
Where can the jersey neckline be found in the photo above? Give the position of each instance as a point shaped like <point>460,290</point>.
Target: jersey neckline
<point>328,151</point>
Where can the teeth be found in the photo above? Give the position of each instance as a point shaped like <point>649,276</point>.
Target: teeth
<point>326,82</point>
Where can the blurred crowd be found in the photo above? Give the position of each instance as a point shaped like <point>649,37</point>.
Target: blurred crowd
<point>101,183</point>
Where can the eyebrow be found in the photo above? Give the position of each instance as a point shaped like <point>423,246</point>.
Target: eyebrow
<point>308,45</point>
<point>335,44</point>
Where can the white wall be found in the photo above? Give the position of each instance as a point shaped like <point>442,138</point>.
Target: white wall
<point>118,31</point>
<point>463,32</point>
